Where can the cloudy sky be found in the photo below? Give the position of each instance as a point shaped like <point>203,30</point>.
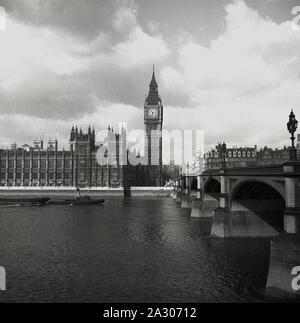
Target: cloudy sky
<point>230,68</point>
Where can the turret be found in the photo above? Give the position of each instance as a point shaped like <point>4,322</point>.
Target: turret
<point>72,135</point>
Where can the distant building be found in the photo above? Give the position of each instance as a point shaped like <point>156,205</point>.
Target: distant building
<point>171,171</point>
<point>269,156</point>
<point>235,157</point>
<point>245,157</point>
<point>197,166</point>
<point>186,170</point>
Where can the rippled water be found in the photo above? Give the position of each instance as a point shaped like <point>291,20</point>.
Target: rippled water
<point>132,250</point>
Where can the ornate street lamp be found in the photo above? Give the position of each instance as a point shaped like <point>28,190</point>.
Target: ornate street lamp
<point>292,126</point>
<point>223,155</point>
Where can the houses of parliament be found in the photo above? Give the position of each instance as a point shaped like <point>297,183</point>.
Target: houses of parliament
<point>78,166</point>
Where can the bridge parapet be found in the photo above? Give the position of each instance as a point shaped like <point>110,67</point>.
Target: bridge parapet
<point>186,195</point>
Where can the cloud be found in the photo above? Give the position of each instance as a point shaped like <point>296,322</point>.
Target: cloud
<point>22,129</point>
<point>47,74</point>
<point>242,86</point>
<point>84,19</point>
<point>140,49</point>
<point>65,62</point>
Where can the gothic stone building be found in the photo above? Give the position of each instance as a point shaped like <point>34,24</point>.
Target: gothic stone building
<point>76,167</point>
<point>80,167</point>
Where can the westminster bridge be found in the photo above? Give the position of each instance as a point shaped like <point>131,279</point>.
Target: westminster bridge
<point>254,202</point>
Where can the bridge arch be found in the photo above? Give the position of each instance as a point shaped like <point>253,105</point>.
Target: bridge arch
<point>262,198</point>
<point>278,187</point>
<point>211,195</point>
<point>194,183</point>
<point>212,185</point>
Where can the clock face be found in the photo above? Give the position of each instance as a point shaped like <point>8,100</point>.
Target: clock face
<point>152,113</point>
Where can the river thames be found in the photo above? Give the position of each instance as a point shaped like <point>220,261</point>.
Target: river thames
<point>131,250</point>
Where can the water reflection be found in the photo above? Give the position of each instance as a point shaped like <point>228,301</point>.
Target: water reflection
<point>131,250</point>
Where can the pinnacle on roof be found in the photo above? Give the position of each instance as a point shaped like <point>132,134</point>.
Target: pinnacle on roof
<point>153,96</point>
<point>153,83</point>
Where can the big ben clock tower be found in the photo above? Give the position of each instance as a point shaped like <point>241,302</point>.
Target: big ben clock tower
<point>153,118</point>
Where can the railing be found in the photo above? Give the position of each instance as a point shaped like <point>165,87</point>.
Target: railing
<point>268,170</point>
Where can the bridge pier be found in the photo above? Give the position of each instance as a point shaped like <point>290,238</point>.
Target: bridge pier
<point>284,259</point>
<point>197,203</point>
<point>178,197</point>
<point>208,198</point>
<point>186,196</point>
<point>196,208</point>
<point>221,214</point>
<point>173,194</point>
<point>240,224</point>
<point>177,190</point>
<point>204,208</point>
<point>285,249</point>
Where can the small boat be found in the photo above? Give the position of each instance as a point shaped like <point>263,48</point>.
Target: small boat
<point>84,201</point>
<point>81,201</point>
<point>24,201</point>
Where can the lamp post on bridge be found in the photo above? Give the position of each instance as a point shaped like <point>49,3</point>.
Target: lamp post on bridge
<point>285,248</point>
<point>292,126</point>
<point>224,191</point>
<point>223,155</point>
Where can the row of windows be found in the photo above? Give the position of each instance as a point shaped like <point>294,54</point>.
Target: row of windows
<point>28,156</point>
<point>52,169</point>
<point>59,183</point>
<point>68,174</point>
<point>36,176</point>
<point>35,163</point>
<point>43,163</point>
<point>35,183</point>
<point>234,154</point>
<point>239,154</point>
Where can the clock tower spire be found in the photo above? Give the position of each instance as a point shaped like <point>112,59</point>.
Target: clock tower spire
<point>153,119</point>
